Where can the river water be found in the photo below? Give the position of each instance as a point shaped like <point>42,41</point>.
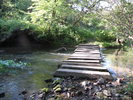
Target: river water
<point>43,65</point>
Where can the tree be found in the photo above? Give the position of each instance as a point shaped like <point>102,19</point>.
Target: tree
<point>50,11</point>
<point>119,15</point>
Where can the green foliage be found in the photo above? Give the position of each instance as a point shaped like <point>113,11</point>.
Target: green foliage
<point>58,97</point>
<point>129,88</point>
<point>10,66</point>
<point>120,17</point>
<point>81,34</point>
<point>57,80</point>
<point>104,35</point>
<point>56,22</point>
<point>45,90</point>
<point>107,44</point>
<point>6,27</point>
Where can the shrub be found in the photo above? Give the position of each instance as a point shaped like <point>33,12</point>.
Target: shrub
<point>104,35</point>
<point>6,27</point>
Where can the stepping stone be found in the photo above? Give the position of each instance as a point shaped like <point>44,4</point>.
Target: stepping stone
<point>82,73</point>
<point>95,68</point>
<point>84,55</point>
<point>78,63</point>
<point>83,61</point>
<point>85,58</point>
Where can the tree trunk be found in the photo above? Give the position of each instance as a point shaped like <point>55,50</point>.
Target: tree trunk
<point>131,43</point>
<point>117,40</point>
<point>53,16</point>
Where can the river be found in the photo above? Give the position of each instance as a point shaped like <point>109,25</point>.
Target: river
<point>43,65</point>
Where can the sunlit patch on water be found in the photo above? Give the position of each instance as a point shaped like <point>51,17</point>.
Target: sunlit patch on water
<point>116,66</point>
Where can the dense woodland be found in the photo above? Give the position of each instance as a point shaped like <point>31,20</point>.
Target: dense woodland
<point>68,22</point>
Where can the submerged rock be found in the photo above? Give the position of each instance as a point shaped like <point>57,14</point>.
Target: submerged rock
<point>48,80</point>
<point>2,94</point>
<point>24,91</point>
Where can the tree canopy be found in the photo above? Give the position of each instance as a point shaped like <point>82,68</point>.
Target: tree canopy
<point>68,21</point>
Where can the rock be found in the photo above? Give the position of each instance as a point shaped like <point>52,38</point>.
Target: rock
<point>57,86</point>
<point>84,83</point>
<point>64,89</point>
<point>62,48</point>
<point>90,87</point>
<point>86,88</point>
<point>24,91</point>
<point>126,93</point>
<point>58,90</point>
<point>78,93</point>
<point>119,80</point>
<point>72,94</point>
<point>93,97</point>
<point>41,95</point>
<point>103,86</point>
<point>64,94</point>
<point>109,82</point>
<point>99,95</point>
<point>117,95</point>
<point>85,94</point>
<point>95,84</point>
<point>124,78</point>
<point>2,94</point>
<point>101,81</point>
<point>50,85</point>
<point>108,85</point>
<point>94,93</point>
<point>46,90</point>
<point>32,96</point>
<point>40,91</point>
<point>48,80</point>
<point>56,80</point>
<point>69,89</point>
<point>107,93</point>
<point>68,94</point>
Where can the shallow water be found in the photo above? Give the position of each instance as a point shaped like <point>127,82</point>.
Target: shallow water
<point>44,63</point>
<point>115,64</point>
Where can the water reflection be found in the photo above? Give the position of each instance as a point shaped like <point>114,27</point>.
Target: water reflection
<point>115,64</point>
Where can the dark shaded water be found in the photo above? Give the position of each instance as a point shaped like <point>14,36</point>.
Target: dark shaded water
<point>44,63</point>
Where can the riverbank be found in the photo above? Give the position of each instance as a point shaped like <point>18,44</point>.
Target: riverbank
<point>73,88</point>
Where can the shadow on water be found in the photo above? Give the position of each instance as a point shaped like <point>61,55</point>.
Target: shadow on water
<point>44,63</point>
